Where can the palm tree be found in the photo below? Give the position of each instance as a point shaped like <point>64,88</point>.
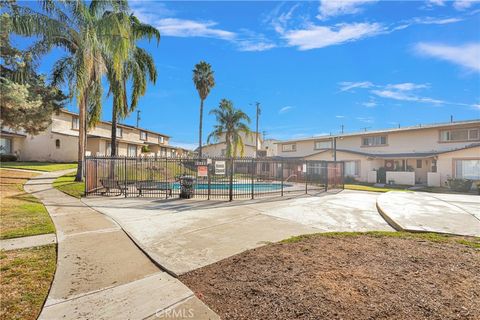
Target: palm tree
<point>138,67</point>
<point>88,33</point>
<point>204,82</point>
<point>231,124</point>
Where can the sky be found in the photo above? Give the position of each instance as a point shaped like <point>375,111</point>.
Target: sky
<point>314,66</point>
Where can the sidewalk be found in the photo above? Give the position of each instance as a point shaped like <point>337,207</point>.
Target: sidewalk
<point>28,242</point>
<point>101,274</point>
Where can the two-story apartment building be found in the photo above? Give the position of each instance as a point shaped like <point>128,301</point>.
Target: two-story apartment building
<point>219,149</point>
<point>59,142</point>
<point>424,154</point>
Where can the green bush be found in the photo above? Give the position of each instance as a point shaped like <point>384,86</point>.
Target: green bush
<point>349,180</point>
<point>460,185</point>
<point>8,157</point>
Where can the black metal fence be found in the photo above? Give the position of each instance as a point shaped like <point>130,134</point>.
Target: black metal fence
<point>213,178</point>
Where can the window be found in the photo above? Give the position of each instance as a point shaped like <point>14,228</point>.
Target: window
<point>57,143</point>
<point>374,141</point>
<point>119,132</point>
<point>109,148</point>
<point>467,169</point>
<point>132,150</point>
<point>289,147</point>
<point>471,134</point>
<point>314,168</point>
<point>5,146</point>
<point>265,166</point>
<point>352,168</point>
<point>75,123</point>
<point>323,145</point>
<point>143,135</point>
<point>160,139</point>
<point>419,164</point>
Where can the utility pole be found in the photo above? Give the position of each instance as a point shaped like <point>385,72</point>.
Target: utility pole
<point>256,130</point>
<point>342,128</point>
<point>138,118</point>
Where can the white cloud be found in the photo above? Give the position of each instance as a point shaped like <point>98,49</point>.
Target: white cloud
<point>365,119</point>
<point>314,37</point>
<point>436,2</point>
<point>190,28</point>
<point>285,109</point>
<point>476,106</point>
<point>347,85</point>
<point>369,104</point>
<point>339,117</point>
<point>464,4</point>
<point>185,145</point>
<point>331,8</point>
<point>402,96</point>
<point>467,55</point>
<point>406,86</point>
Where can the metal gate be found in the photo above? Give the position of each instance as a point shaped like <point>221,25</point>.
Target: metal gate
<point>214,178</point>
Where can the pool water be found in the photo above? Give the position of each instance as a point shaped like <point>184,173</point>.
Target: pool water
<point>238,186</point>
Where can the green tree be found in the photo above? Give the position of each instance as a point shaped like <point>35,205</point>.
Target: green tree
<point>88,33</point>
<point>231,125</point>
<point>204,81</point>
<point>27,101</point>
<point>138,68</point>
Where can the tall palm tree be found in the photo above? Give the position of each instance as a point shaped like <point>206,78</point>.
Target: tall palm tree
<point>139,67</point>
<point>231,124</point>
<point>88,33</point>
<point>204,81</point>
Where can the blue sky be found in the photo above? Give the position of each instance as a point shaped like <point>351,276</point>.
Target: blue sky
<point>314,66</point>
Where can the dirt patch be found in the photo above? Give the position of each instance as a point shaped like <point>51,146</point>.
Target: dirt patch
<point>345,277</point>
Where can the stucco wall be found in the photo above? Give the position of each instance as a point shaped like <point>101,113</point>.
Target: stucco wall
<point>42,148</point>
<point>445,161</point>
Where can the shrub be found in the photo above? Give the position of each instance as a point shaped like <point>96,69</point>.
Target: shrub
<point>349,180</point>
<point>145,149</point>
<point>8,157</point>
<point>460,185</point>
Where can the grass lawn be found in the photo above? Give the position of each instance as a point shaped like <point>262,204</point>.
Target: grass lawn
<point>25,281</point>
<point>350,276</point>
<point>38,166</point>
<point>371,188</point>
<point>21,213</point>
<point>67,185</point>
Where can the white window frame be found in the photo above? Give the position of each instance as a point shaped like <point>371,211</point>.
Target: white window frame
<point>161,139</point>
<point>376,141</point>
<point>128,150</point>
<point>10,146</point>
<point>119,130</point>
<point>446,135</point>
<point>289,147</point>
<point>356,168</point>
<point>75,123</point>
<point>472,174</point>
<point>318,144</point>
<point>143,133</point>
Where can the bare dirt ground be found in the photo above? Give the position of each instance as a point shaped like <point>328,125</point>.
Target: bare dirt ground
<point>346,277</point>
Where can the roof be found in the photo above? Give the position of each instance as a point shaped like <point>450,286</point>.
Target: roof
<point>12,134</point>
<point>121,124</point>
<point>409,128</point>
<point>391,155</point>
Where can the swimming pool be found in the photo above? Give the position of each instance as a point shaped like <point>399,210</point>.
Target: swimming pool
<point>237,186</point>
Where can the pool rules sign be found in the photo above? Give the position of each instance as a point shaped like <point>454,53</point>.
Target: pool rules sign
<point>220,167</point>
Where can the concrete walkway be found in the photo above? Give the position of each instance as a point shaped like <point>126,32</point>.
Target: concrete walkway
<point>101,273</point>
<point>443,213</point>
<point>183,235</point>
<point>28,242</point>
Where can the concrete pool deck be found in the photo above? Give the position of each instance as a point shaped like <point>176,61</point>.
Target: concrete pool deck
<point>183,235</point>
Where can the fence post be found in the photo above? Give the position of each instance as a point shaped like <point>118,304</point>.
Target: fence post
<point>326,177</point>
<point>166,178</point>
<point>86,179</point>
<point>209,178</point>
<point>254,168</point>
<point>125,176</point>
<point>281,177</point>
<point>306,177</point>
<point>230,194</point>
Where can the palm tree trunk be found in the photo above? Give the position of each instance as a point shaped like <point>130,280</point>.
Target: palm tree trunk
<point>113,140</point>
<point>200,130</point>
<point>81,137</point>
